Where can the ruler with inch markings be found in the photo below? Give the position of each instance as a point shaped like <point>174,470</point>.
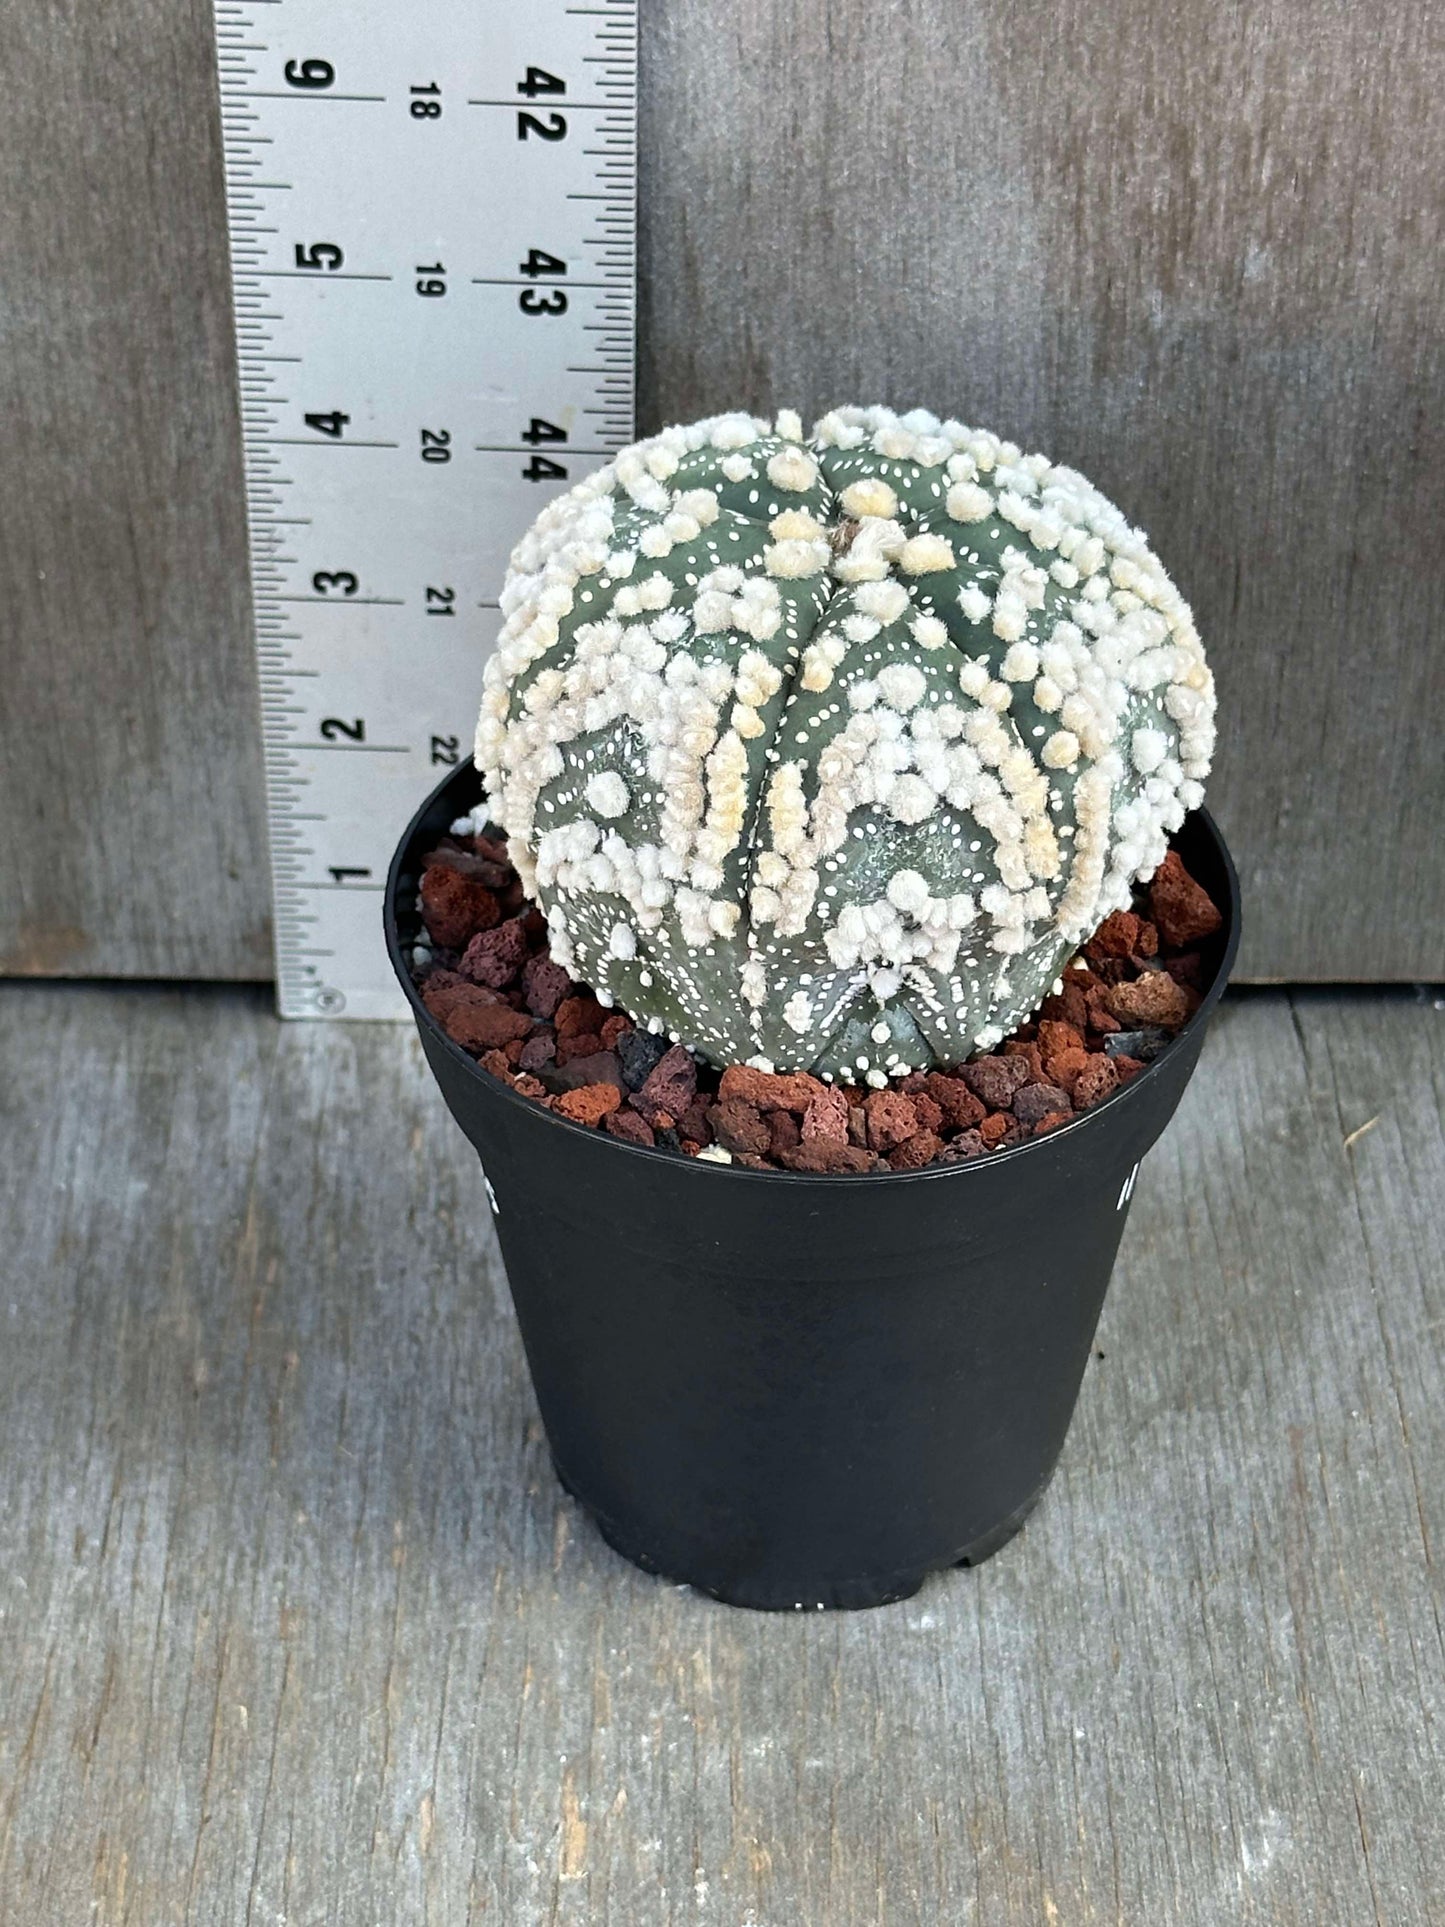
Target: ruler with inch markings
<point>432,222</point>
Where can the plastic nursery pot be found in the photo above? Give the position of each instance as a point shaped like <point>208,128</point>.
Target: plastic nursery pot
<point>792,1391</point>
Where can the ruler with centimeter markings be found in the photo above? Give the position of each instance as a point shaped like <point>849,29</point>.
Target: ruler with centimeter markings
<point>432,221</point>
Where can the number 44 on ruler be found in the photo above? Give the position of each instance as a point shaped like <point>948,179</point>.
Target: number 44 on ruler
<point>432,221</point>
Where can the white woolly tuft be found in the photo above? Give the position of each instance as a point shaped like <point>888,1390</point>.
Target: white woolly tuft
<point>896,637</point>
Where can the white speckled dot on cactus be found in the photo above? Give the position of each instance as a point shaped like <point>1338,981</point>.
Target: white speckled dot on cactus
<point>825,753</point>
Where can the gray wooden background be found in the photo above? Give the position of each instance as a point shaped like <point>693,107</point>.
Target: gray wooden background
<point>1194,251</point>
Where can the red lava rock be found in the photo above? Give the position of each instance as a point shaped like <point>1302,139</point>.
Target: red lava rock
<point>1183,910</point>
<point>1110,970</point>
<point>478,1021</point>
<point>602,1067</point>
<point>1098,1078</point>
<point>995,1079</point>
<point>670,1086</point>
<point>436,975</point>
<point>695,1122</point>
<point>453,909</point>
<point>1038,1079</point>
<point>1102,1020</point>
<point>826,1118</point>
<point>537,1051</point>
<point>1039,1100</point>
<point>892,1119</point>
<point>1054,1038</point>
<point>1063,1069</point>
<point>1154,998</point>
<point>493,957</point>
<point>1029,1051</point>
<point>578,1043</point>
<point>476,869</point>
<point>544,985</point>
<point>1116,936</point>
<point>580,1013</point>
<point>739,1126</point>
<point>1069,1006</point>
<point>822,1156</point>
<point>960,1107</point>
<point>627,1125</point>
<point>968,1144</point>
<point>916,1151</point>
<point>444,989</point>
<point>793,1091</point>
<point>589,1103</point>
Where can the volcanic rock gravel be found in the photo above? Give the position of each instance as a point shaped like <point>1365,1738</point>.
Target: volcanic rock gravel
<point>485,974</point>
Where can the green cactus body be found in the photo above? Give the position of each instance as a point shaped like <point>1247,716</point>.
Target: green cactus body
<point>826,753</point>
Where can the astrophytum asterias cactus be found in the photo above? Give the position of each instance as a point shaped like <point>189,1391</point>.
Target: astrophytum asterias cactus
<point>826,752</point>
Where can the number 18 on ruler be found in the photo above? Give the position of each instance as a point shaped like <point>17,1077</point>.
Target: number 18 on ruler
<point>432,239</point>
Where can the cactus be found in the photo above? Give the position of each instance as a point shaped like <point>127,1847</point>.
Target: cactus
<point>827,753</point>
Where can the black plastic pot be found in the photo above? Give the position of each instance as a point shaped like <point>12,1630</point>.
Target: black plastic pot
<point>799,1392</point>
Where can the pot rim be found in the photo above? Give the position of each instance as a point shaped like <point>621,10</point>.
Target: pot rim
<point>1114,1102</point>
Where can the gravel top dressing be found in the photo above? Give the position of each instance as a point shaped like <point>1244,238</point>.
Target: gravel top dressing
<point>487,976</point>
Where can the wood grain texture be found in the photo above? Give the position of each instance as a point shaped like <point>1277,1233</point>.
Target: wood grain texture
<point>299,1627</point>
<point>1192,252</point>
<point>130,763</point>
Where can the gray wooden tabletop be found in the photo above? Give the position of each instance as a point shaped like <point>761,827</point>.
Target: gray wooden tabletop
<point>298,1629</point>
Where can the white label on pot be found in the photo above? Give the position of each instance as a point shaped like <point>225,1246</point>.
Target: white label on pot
<point>1128,1190</point>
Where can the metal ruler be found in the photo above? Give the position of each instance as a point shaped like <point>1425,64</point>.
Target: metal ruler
<point>432,219</point>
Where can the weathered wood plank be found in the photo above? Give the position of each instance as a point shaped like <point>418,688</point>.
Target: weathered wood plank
<point>297,1623</point>
<point>1192,253</point>
<point>130,767</point>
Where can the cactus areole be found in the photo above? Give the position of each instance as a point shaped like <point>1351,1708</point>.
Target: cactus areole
<point>825,752</point>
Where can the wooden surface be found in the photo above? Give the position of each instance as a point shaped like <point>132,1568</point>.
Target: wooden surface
<point>1193,252</point>
<point>298,1628</point>
<point>130,758</point>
